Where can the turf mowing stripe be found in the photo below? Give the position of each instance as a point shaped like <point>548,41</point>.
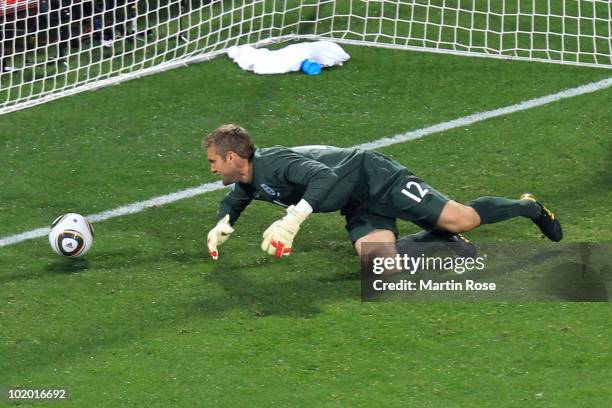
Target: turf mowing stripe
<point>387,141</point>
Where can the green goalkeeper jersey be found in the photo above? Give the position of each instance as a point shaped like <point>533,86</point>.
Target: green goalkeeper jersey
<point>328,178</point>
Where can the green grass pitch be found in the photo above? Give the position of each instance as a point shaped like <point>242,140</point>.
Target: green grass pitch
<point>146,319</point>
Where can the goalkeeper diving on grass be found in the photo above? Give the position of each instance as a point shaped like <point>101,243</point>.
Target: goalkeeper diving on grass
<point>370,190</point>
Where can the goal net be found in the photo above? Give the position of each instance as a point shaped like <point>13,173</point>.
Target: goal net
<point>54,48</point>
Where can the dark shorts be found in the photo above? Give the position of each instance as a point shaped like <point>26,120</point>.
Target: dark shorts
<point>407,197</point>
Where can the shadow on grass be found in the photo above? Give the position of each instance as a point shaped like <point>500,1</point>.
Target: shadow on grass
<point>59,266</point>
<point>266,287</point>
<point>259,286</point>
<point>67,266</point>
<point>582,280</point>
<point>576,282</point>
<point>110,260</point>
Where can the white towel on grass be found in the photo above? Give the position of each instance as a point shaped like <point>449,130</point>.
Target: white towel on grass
<point>287,59</point>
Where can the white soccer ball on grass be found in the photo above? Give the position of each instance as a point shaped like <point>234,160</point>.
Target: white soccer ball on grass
<point>71,235</point>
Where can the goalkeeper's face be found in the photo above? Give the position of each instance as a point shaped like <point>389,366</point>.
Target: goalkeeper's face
<point>225,167</point>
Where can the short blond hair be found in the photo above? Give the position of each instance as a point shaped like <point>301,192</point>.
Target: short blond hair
<point>230,138</point>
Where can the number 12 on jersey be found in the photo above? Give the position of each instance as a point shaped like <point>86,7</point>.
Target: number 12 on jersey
<point>420,191</point>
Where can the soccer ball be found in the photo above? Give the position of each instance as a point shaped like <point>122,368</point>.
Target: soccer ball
<point>71,235</point>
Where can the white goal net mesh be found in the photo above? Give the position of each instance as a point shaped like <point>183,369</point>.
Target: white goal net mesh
<point>54,48</point>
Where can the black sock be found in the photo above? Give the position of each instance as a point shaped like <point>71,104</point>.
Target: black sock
<point>496,209</point>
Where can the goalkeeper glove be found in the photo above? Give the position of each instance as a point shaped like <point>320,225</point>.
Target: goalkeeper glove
<point>219,235</point>
<point>278,238</point>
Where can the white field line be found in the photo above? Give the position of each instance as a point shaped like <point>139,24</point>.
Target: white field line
<point>387,141</point>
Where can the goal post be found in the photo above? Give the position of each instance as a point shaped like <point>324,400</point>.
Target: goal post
<point>54,48</point>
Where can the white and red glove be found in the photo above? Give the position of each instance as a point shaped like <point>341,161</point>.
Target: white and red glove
<point>219,235</point>
<point>278,238</point>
